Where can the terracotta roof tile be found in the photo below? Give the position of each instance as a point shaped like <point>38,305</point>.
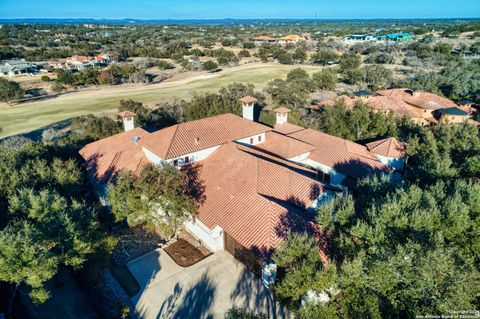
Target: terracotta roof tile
<point>284,146</point>
<point>248,99</point>
<point>389,147</point>
<point>126,114</point>
<point>201,134</point>
<point>287,128</point>
<point>420,99</point>
<point>107,157</point>
<point>347,157</point>
<point>249,194</point>
<point>282,110</point>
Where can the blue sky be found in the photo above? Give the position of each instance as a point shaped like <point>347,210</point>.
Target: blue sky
<point>213,9</point>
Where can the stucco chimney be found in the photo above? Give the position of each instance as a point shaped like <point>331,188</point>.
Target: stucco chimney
<point>282,115</point>
<point>248,107</point>
<point>128,120</point>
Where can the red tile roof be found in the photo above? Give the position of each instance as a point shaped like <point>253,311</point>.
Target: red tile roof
<point>107,157</point>
<point>420,99</point>
<point>282,110</point>
<point>386,103</point>
<point>125,114</point>
<point>250,194</point>
<point>201,134</point>
<point>346,157</point>
<point>287,128</point>
<point>389,147</point>
<point>248,99</point>
<point>284,146</point>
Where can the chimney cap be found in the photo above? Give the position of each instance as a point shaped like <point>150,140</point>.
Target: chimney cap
<point>248,99</point>
<point>282,110</point>
<point>125,114</point>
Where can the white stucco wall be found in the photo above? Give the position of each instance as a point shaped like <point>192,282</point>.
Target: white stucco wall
<point>128,123</point>
<point>248,111</point>
<point>396,162</point>
<point>152,157</point>
<point>300,157</point>
<point>246,140</point>
<point>212,238</point>
<point>193,157</point>
<point>325,197</point>
<point>336,178</point>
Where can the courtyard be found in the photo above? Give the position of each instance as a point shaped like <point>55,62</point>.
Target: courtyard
<point>206,289</point>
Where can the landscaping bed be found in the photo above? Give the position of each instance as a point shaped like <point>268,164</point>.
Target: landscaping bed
<point>184,253</point>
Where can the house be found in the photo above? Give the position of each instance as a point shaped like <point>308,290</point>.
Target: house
<point>453,115</point>
<point>16,67</point>
<point>355,38</point>
<point>260,182</point>
<point>292,38</point>
<point>422,107</point>
<point>264,39</point>
<point>392,37</point>
<point>80,62</point>
<point>395,37</point>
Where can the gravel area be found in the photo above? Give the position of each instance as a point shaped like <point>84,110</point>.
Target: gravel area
<point>133,243</point>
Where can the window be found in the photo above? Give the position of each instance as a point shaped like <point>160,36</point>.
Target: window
<point>175,163</point>
<point>259,138</point>
<point>251,140</point>
<point>187,160</point>
<point>326,178</point>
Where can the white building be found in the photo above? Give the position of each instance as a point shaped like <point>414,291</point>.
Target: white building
<point>257,180</point>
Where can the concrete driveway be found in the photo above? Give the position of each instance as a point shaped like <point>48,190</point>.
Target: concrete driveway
<point>205,290</point>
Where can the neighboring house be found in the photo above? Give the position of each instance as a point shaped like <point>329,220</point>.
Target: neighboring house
<point>260,183</point>
<point>264,39</point>
<point>292,38</point>
<point>17,67</point>
<point>80,62</point>
<point>359,38</point>
<point>393,37</point>
<point>422,107</point>
<point>452,115</point>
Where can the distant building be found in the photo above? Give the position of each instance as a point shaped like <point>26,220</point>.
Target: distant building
<point>17,67</point>
<point>359,38</point>
<point>80,62</point>
<point>422,107</point>
<point>292,38</point>
<point>393,37</point>
<point>452,115</point>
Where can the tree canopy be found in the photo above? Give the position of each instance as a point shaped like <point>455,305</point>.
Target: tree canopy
<point>160,198</point>
<point>45,222</point>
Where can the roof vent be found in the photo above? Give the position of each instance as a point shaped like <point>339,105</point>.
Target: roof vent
<point>135,138</point>
<point>197,140</point>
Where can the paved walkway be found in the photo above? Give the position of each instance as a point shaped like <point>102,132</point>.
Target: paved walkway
<point>205,290</point>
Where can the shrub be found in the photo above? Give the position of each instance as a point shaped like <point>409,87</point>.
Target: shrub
<point>209,65</point>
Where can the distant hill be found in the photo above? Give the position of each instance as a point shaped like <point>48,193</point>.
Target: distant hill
<point>127,21</point>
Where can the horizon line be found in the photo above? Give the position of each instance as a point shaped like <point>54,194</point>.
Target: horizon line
<point>204,19</point>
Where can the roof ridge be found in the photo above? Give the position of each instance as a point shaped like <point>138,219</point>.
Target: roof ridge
<point>171,140</point>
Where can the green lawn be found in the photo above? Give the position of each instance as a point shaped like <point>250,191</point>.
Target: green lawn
<point>27,117</point>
